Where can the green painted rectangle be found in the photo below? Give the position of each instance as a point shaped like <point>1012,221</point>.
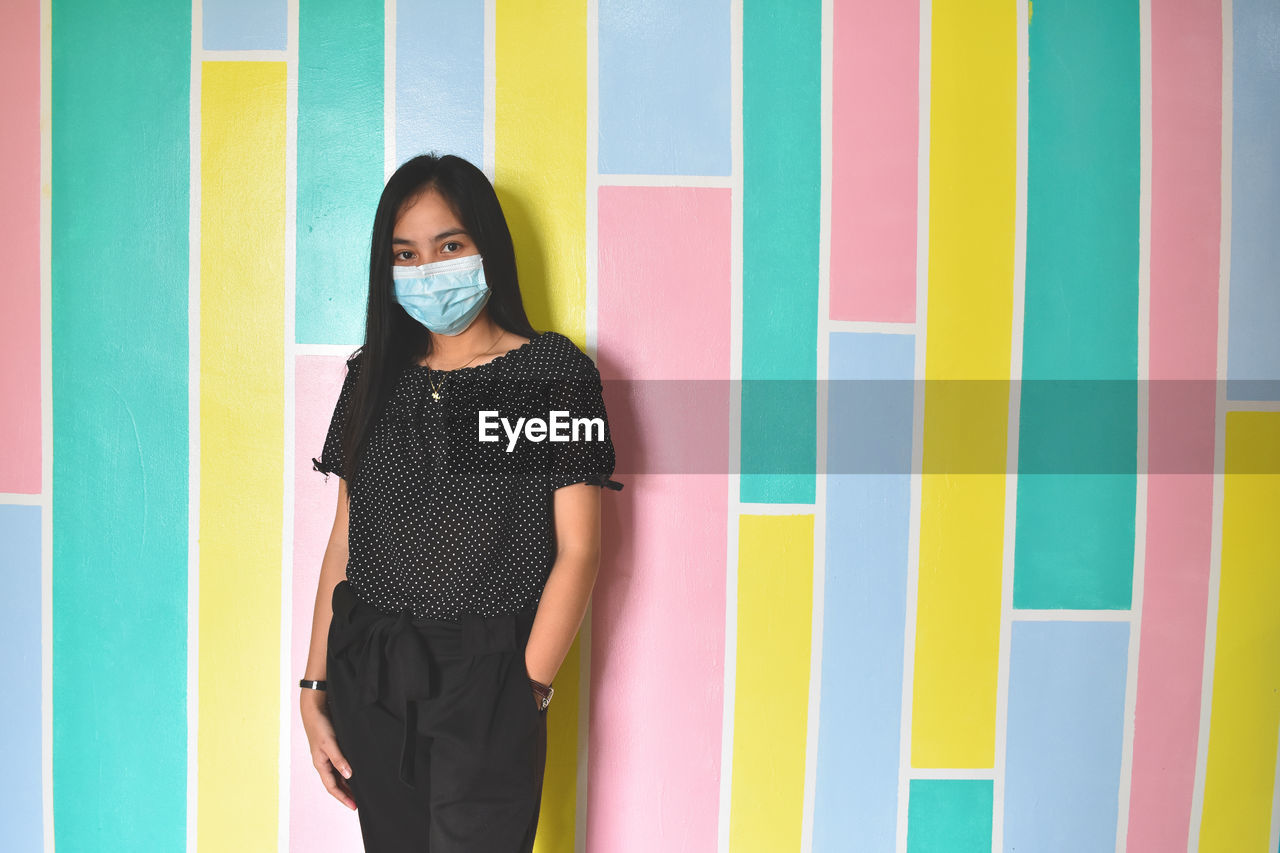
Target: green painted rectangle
<point>949,814</point>
<point>340,165</point>
<point>121,76</point>
<point>782,177</point>
<point>1075,530</point>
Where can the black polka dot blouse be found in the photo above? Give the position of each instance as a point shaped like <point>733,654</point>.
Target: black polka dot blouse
<point>442,522</point>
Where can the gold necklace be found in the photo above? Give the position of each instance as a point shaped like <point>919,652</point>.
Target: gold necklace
<point>435,392</point>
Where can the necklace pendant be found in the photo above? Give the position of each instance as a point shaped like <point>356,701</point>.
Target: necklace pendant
<point>435,395</point>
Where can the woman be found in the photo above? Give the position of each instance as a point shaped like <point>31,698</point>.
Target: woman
<point>467,535</point>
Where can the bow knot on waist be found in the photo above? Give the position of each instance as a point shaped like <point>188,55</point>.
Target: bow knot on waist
<point>392,655</point>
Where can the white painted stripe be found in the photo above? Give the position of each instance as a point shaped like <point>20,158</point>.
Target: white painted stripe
<point>330,350</point>
<point>962,774</point>
<point>817,608</point>
<point>924,94</point>
<point>1007,612</point>
<point>46,420</point>
<point>1028,615</point>
<point>1142,494</point>
<point>1252,406</point>
<point>490,85</point>
<point>1220,438</point>
<point>388,89</point>
<point>733,481</point>
<point>1274,842</point>
<point>715,181</point>
<point>288,707</point>
<point>591,330</point>
<point>873,327</point>
<point>202,55</point>
<point>193,440</point>
<point>752,508</point>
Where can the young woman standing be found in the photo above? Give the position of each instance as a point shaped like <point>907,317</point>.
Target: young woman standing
<point>462,556</point>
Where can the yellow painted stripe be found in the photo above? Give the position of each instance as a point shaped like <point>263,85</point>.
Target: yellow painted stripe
<point>540,173</point>
<point>771,696</point>
<point>540,154</point>
<point>242,250</point>
<point>1240,773</point>
<point>973,109</point>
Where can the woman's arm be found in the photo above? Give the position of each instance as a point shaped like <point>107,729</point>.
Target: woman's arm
<point>333,568</point>
<point>573,576</point>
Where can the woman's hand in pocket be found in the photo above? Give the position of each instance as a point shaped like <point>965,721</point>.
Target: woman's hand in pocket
<point>325,755</point>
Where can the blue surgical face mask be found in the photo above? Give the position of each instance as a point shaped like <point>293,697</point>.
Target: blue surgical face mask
<point>444,296</point>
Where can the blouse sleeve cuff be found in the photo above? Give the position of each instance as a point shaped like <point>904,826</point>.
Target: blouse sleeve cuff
<point>603,481</point>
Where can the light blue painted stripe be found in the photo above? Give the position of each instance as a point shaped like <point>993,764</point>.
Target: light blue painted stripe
<point>1065,735</point>
<point>869,418</point>
<point>1253,346</point>
<point>664,87</point>
<point>244,24</point>
<point>121,436</point>
<point>21,812</point>
<point>948,816</point>
<point>340,156</point>
<point>440,79</point>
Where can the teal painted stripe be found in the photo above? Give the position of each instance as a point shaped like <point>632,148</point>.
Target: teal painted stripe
<point>120,208</point>
<point>340,155</point>
<point>1075,531</point>
<point>952,815</point>
<point>782,174</point>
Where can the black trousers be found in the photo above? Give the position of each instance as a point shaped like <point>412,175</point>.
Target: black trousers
<point>437,719</point>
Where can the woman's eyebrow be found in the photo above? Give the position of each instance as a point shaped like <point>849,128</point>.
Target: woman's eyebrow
<point>452,232</point>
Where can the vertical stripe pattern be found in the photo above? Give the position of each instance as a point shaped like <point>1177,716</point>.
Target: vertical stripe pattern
<point>972,106</point>
<point>781,123</point>
<point>540,150</point>
<point>676,524</point>
<point>664,87</point>
<point>241,365</point>
<point>770,705</point>
<point>1186,133</point>
<point>875,124</point>
<point>869,417</point>
<point>1065,730</point>
<point>1078,416</point>
<point>1245,717</point>
<point>1253,361</point>
<point>119,273</point>
<point>439,79</point>
<point>20,201</point>
<point>1068,605</point>
<point>339,164</point>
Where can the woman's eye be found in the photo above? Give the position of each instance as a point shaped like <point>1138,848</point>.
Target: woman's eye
<point>400,256</point>
<point>455,246</point>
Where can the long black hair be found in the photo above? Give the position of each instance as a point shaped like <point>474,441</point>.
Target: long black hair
<point>393,340</point>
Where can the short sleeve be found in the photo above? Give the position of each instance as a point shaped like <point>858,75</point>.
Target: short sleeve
<point>330,460</point>
<point>587,455</point>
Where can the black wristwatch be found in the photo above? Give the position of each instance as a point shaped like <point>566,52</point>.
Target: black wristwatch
<point>543,692</point>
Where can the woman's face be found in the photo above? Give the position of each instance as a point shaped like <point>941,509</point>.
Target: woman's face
<point>427,231</point>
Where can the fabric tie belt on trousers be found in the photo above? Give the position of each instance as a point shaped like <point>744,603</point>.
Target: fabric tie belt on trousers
<point>392,653</point>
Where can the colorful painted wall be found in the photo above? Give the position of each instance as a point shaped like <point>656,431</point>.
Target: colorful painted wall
<point>972,545</point>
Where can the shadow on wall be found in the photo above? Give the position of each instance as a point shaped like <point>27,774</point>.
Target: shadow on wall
<point>531,253</point>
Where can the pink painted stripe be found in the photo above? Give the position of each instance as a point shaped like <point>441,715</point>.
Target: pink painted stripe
<point>20,191</point>
<point>658,607</point>
<point>1186,116</point>
<point>316,820</point>
<point>874,131</point>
